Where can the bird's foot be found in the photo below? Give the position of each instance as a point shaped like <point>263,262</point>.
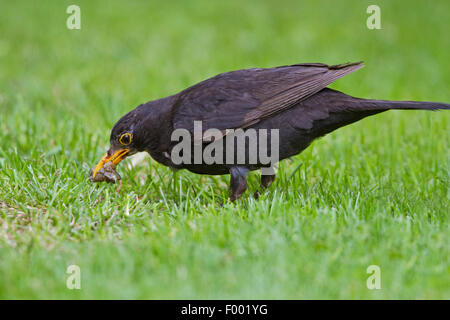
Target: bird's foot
<point>238,184</point>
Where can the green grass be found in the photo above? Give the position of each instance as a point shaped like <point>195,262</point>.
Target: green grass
<point>376,192</point>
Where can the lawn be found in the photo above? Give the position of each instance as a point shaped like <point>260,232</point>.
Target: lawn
<point>373,193</point>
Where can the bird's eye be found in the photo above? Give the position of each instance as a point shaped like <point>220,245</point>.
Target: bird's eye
<point>125,139</point>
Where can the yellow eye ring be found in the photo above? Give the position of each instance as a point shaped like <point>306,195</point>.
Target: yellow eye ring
<point>125,139</point>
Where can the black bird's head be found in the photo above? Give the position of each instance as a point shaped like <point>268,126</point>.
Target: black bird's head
<point>126,138</point>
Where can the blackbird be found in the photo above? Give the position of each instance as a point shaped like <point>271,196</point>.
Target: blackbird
<point>293,100</point>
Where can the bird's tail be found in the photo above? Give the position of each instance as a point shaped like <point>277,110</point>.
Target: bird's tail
<point>370,104</point>
<point>347,109</point>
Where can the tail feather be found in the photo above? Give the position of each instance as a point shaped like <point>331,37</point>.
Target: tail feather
<point>341,102</point>
<point>329,110</point>
<point>402,105</point>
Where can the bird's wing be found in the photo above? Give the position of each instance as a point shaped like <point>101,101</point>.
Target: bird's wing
<point>242,98</point>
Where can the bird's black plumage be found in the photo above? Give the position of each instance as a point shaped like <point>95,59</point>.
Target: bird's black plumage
<point>292,99</point>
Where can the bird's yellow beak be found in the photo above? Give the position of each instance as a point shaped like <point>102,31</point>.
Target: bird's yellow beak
<point>115,158</point>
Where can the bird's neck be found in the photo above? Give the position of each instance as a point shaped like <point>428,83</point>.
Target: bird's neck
<point>157,126</point>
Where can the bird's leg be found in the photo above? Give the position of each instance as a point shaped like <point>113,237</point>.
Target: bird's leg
<point>238,184</point>
<point>266,181</point>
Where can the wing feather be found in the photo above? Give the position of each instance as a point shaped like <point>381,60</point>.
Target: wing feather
<point>240,99</point>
